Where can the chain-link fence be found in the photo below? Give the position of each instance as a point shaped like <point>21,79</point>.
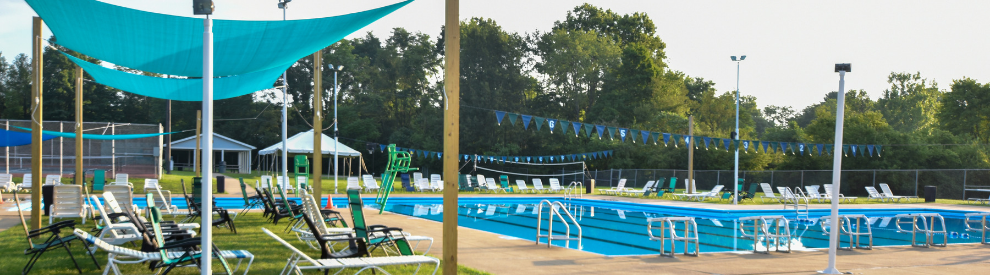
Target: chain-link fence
<point>949,183</point>
<point>136,157</point>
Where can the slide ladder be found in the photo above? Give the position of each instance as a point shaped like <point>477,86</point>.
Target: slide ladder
<point>555,209</point>
<point>398,162</point>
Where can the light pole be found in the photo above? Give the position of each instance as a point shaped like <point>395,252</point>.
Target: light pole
<point>285,111</point>
<point>735,136</point>
<point>840,106</point>
<point>335,142</point>
<point>205,7</point>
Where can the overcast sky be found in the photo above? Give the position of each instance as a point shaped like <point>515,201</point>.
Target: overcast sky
<point>791,45</point>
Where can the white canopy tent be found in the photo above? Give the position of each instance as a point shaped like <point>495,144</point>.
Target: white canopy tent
<point>302,143</point>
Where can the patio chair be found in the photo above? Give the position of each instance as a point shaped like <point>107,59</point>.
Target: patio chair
<point>250,202</point>
<point>646,189</point>
<point>768,193</point>
<point>417,178</point>
<point>436,182</point>
<point>122,179</point>
<point>353,183</point>
<point>99,180</point>
<point>266,182</point>
<point>616,190</point>
<point>492,186</point>
<point>751,193</point>
<point>369,183</point>
<point>874,194</point>
<point>978,200</point>
<point>115,232</point>
<point>380,236</point>
<point>25,183</point>
<point>287,186</point>
<point>423,184</point>
<point>7,183</point>
<point>890,194</point>
<point>303,182</point>
<point>521,186</point>
<point>703,195</point>
<point>538,185</point>
<point>53,180</point>
<point>288,210</point>
<point>828,193</point>
<point>151,184</point>
<point>68,203</point>
<point>482,184</point>
<point>52,242</point>
<point>364,263</point>
<point>672,186</point>
<point>463,182</point>
<point>814,194</point>
<point>503,180</point>
<point>124,196</point>
<point>555,185</point>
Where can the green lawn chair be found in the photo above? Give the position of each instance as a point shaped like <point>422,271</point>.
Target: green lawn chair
<point>726,195</point>
<point>99,180</point>
<point>390,239</point>
<point>504,181</point>
<point>751,193</point>
<point>249,202</point>
<point>462,182</point>
<point>186,247</point>
<point>673,185</point>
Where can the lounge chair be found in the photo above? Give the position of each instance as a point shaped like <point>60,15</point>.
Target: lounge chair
<point>538,185</point>
<point>7,183</point>
<point>25,183</point>
<point>555,185</point>
<point>751,193</point>
<point>266,182</point>
<point>890,194</point>
<point>391,239</point>
<point>115,232</point>
<point>287,186</point>
<point>325,237</point>
<point>672,186</point>
<point>303,182</point>
<point>53,180</point>
<point>436,182</point>
<point>99,180</point>
<point>364,263</point>
<point>353,183</point>
<point>123,195</point>
<point>874,194</point>
<point>703,195</point>
<point>521,185</point>
<point>482,183</point>
<point>369,183</point>
<point>768,193</point>
<point>646,189</point>
<point>814,194</point>
<point>978,200</point>
<point>503,180</point>
<point>616,190</point>
<point>151,184</point>
<point>68,203</point>
<point>250,202</point>
<point>789,197</point>
<point>828,193</point>
<point>417,180</point>
<point>122,179</point>
<point>492,186</point>
<point>53,241</point>
<point>423,184</point>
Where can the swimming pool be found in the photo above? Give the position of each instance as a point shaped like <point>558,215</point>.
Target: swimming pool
<point>619,228</point>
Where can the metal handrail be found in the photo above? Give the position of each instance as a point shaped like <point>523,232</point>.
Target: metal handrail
<point>981,224</point>
<point>576,187</point>
<point>846,227</point>
<point>928,228</point>
<point>555,209</point>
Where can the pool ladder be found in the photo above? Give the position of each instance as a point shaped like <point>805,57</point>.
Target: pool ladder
<point>798,195</point>
<point>767,228</point>
<point>927,228</point>
<point>668,231</point>
<point>981,224</point>
<point>555,208</point>
<point>849,228</point>
<point>574,190</point>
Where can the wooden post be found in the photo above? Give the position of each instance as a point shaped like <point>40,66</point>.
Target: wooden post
<point>199,126</point>
<point>317,125</point>
<point>36,122</point>
<point>79,125</point>
<point>451,130</point>
<point>690,185</point>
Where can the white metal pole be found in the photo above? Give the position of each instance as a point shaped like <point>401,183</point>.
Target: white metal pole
<point>833,237</point>
<point>285,120</point>
<point>735,169</point>
<point>336,154</point>
<point>206,228</point>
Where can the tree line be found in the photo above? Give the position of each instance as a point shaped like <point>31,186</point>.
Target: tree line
<point>594,66</point>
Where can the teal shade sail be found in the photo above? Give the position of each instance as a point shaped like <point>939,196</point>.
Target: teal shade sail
<point>54,134</point>
<point>181,89</point>
<point>11,138</point>
<point>173,45</point>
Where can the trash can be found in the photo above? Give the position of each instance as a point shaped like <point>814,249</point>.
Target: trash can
<point>930,193</point>
<point>222,168</point>
<point>589,184</point>
<point>220,183</point>
<point>48,195</point>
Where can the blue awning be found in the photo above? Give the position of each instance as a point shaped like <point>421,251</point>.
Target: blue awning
<point>53,134</point>
<point>173,45</point>
<point>11,138</point>
<point>181,89</point>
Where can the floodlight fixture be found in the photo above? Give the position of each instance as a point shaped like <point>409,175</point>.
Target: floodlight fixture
<point>284,4</point>
<point>844,67</point>
<point>202,7</point>
<point>733,58</point>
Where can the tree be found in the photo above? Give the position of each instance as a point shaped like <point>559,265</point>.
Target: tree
<point>911,103</point>
<point>964,109</point>
<point>573,64</point>
<point>779,115</point>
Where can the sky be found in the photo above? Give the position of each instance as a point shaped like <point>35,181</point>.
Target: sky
<point>791,46</point>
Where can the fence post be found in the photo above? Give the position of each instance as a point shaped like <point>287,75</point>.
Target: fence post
<point>636,177</point>
<point>964,183</point>
<point>802,179</point>
<point>771,178</point>
<point>874,178</point>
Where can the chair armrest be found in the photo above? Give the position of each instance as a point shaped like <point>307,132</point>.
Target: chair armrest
<point>186,243</point>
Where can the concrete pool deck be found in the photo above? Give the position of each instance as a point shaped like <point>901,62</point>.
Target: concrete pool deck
<point>500,254</point>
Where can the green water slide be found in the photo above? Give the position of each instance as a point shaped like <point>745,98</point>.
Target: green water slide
<point>398,162</point>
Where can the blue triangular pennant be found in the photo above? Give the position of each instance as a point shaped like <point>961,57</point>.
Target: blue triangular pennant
<point>746,146</point>
<point>600,129</point>
<point>526,119</point>
<point>801,148</point>
<point>869,149</point>
<point>687,141</point>
<point>439,154</point>
<point>553,124</point>
<point>382,147</point>
<point>529,159</point>
<point>577,128</point>
<point>765,145</point>
<point>853,147</point>
<point>818,147</point>
<point>503,159</point>
<point>541,159</point>
<point>646,136</point>
<point>707,141</point>
<point>726,141</point>
<point>622,134</point>
<point>878,150</point>
<point>498,117</point>
<point>666,139</point>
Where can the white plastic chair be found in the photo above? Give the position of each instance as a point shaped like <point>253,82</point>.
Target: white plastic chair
<point>151,184</point>
<point>25,182</point>
<point>53,180</point>
<point>369,183</point>
<point>68,202</point>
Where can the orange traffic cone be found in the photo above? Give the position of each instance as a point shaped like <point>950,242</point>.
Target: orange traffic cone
<point>329,202</point>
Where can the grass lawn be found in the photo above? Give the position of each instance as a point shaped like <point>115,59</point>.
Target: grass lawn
<point>270,256</point>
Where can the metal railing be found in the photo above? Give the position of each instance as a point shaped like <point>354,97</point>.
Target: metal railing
<point>555,208</point>
<point>574,190</point>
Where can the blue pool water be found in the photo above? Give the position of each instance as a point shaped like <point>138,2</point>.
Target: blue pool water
<point>619,228</point>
